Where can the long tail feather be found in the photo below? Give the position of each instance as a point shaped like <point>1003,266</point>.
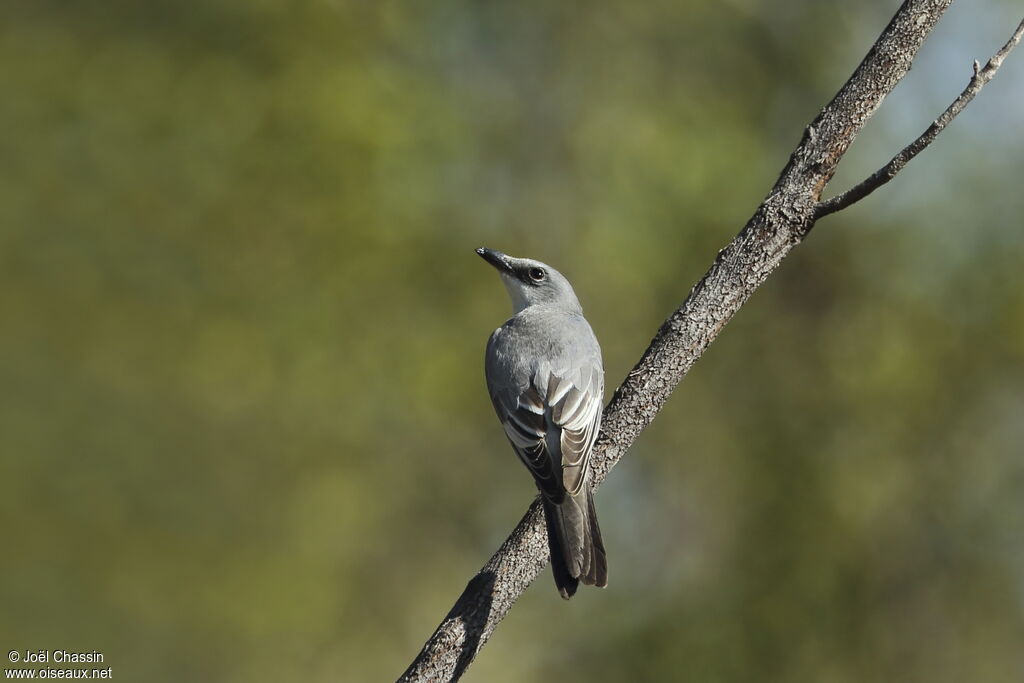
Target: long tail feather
<point>565,581</point>
<point>574,539</point>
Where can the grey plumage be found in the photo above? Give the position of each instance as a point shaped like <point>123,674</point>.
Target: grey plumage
<point>546,382</point>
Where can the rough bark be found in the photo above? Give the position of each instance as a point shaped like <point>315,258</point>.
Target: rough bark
<point>780,223</point>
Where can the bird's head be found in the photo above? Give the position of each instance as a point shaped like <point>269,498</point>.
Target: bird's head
<point>532,283</point>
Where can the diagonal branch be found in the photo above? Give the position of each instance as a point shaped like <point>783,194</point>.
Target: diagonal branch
<point>888,172</point>
<point>781,222</point>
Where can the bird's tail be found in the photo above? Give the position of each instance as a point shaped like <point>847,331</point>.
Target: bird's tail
<point>574,538</point>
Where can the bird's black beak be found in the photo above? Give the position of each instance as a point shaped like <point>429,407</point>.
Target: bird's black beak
<point>496,259</point>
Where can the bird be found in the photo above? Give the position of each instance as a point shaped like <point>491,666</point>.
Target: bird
<point>545,378</point>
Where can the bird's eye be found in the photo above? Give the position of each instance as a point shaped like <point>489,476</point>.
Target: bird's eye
<point>537,274</point>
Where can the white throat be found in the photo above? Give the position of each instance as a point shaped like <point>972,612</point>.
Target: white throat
<point>515,292</point>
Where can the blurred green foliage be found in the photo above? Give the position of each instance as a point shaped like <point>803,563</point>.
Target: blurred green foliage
<point>243,425</point>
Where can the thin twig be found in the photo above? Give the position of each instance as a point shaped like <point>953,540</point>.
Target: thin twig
<point>888,172</point>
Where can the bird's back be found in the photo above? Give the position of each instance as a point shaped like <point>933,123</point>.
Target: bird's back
<point>540,341</point>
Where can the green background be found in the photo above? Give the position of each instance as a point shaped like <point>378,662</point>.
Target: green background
<point>244,434</point>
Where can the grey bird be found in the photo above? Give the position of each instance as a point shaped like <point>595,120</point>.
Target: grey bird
<point>546,382</point>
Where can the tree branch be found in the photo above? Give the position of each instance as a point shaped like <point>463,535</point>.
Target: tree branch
<point>888,172</point>
<point>780,223</point>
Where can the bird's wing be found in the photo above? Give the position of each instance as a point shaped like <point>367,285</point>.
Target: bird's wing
<point>553,424</point>
<point>576,403</point>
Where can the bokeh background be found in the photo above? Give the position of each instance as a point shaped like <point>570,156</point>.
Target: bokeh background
<point>243,423</point>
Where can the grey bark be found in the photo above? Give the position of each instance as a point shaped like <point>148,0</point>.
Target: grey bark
<point>780,223</point>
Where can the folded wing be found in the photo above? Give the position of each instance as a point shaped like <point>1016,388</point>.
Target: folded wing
<point>553,424</point>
